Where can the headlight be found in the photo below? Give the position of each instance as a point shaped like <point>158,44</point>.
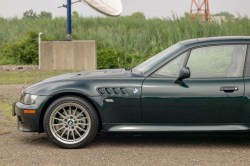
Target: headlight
<point>28,99</point>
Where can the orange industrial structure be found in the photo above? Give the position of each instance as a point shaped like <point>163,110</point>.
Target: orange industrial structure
<point>200,7</point>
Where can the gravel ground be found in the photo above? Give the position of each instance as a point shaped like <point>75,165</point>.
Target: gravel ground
<point>11,91</point>
<point>18,148</point>
<point>19,68</point>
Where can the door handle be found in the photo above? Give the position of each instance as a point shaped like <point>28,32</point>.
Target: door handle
<point>229,88</point>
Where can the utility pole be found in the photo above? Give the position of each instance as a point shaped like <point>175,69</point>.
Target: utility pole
<point>200,7</point>
<point>69,29</point>
<point>39,49</point>
<point>69,21</point>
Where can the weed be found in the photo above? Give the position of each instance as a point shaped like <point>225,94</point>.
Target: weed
<point>4,132</point>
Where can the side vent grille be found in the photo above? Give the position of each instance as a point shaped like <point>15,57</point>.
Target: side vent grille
<point>111,91</point>
<point>101,91</point>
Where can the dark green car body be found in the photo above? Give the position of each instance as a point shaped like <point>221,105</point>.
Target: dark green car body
<point>159,104</point>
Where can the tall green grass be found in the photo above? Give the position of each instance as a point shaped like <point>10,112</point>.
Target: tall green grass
<point>144,37</point>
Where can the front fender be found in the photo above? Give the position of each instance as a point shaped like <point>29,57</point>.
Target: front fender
<point>86,88</point>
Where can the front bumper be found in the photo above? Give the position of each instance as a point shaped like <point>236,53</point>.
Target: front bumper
<point>28,116</point>
<point>13,109</point>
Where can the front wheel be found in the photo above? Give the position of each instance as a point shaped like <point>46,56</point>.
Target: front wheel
<point>71,122</point>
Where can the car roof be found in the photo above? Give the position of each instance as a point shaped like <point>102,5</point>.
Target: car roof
<point>213,40</point>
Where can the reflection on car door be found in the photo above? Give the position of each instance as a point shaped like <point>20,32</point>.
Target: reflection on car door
<point>213,94</point>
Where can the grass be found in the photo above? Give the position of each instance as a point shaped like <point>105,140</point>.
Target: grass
<point>144,37</point>
<point>4,132</point>
<point>6,108</point>
<point>30,77</point>
<point>35,139</point>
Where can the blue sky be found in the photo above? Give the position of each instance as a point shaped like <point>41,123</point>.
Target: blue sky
<point>151,8</point>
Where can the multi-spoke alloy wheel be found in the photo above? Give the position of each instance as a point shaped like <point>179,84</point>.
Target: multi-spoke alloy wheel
<point>71,122</point>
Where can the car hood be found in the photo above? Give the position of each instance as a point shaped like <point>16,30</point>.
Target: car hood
<point>111,73</point>
<point>78,79</point>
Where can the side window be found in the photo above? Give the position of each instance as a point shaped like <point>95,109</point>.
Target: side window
<point>217,61</point>
<point>172,69</point>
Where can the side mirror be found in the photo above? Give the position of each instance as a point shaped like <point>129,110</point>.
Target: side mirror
<point>184,73</point>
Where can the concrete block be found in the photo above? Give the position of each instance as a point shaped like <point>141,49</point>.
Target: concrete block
<point>69,55</point>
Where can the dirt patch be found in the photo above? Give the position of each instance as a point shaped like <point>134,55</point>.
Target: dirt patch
<point>11,91</point>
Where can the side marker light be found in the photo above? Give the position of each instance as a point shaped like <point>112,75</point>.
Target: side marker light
<point>29,111</point>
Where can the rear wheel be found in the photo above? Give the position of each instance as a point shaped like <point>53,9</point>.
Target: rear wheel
<point>71,122</point>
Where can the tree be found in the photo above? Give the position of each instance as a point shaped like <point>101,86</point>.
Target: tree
<point>75,14</point>
<point>138,15</point>
<point>186,15</point>
<point>29,14</point>
<point>226,14</point>
<point>45,14</point>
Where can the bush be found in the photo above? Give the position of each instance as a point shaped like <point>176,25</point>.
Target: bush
<point>134,60</point>
<point>111,59</point>
<point>108,58</point>
<point>21,51</point>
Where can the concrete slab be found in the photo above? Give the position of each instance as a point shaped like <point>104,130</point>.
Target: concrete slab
<point>69,55</point>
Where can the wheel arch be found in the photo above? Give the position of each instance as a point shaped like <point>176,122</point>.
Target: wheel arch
<point>59,95</point>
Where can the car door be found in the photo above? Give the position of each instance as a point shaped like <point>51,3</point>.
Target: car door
<point>213,93</point>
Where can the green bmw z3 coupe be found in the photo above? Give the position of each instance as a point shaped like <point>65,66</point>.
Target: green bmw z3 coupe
<point>197,85</point>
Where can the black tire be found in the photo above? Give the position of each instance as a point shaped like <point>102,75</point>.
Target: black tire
<point>90,110</point>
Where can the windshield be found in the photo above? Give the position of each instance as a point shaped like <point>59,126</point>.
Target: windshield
<point>148,64</point>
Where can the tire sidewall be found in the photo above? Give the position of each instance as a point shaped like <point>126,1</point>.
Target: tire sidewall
<point>92,114</point>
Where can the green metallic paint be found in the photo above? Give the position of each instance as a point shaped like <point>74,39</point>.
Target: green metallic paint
<point>120,111</point>
<point>245,111</point>
<point>31,120</point>
<point>79,83</point>
<point>160,104</point>
<point>199,101</point>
